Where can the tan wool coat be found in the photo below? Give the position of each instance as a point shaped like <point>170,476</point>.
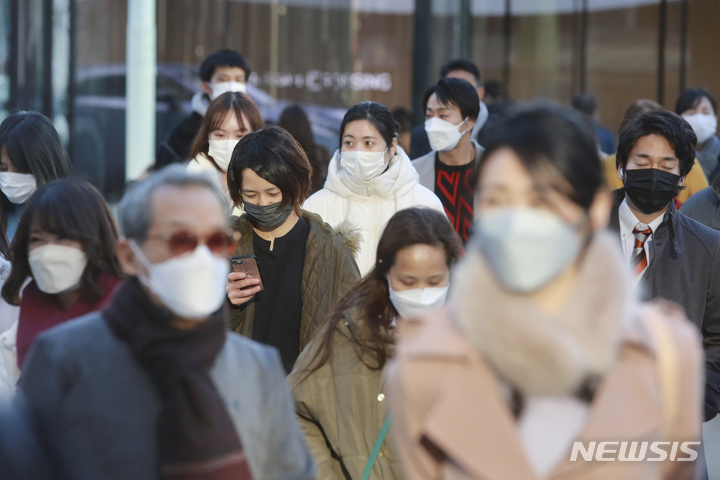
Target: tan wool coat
<point>449,391</point>
<point>328,272</point>
<point>341,407</point>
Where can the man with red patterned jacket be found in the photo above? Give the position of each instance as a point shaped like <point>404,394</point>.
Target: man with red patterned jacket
<point>451,109</point>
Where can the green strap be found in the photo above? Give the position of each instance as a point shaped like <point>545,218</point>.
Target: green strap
<point>376,448</point>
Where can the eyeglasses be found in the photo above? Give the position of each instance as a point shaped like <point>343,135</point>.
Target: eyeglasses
<point>184,242</point>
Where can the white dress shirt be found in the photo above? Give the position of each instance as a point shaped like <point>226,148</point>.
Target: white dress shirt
<point>628,221</point>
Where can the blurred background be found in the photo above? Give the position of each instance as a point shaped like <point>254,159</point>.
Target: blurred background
<point>66,58</point>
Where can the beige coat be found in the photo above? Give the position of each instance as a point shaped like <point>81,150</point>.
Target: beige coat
<point>451,420</point>
<point>451,412</point>
<point>341,408</point>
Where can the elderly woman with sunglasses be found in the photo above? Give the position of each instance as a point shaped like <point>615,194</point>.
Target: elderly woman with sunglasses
<point>305,266</point>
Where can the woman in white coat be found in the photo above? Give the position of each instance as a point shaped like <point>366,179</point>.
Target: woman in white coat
<point>369,179</point>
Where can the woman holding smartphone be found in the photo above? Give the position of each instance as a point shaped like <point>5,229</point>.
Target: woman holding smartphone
<point>305,265</point>
<point>337,382</point>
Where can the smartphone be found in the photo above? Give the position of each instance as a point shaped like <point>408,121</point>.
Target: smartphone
<point>249,265</point>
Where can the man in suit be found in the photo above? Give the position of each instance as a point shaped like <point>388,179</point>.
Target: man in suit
<point>154,386</point>
<point>464,70</point>
<point>671,255</point>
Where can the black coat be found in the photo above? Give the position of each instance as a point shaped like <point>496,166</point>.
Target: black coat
<point>685,268</point>
<point>176,148</point>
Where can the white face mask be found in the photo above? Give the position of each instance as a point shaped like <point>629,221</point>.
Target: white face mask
<point>221,151</point>
<point>223,87</point>
<point>191,286</point>
<point>17,187</point>
<point>418,301</point>
<point>363,165</point>
<point>57,268</point>
<point>703,125</point>
<point>526,247</point>
<point>443,135</point>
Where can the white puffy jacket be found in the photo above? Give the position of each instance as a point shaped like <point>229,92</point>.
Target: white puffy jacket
<point>370,204</point>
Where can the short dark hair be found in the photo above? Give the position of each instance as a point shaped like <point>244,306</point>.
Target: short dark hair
<point>556,145</point>
<point>274,155</point>
<point>585,103</point>
<point>495,90</point>
<point>229,102</point>
<point>671,126</point>
<point>223,58</point>
<point>692,98</point>
<point>457,92</point>
<point>375,113</point>
<point>464,65</point>
<point>73,209</point>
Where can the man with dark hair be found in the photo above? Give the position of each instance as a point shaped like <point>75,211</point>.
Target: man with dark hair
<point>672,256</point>
<point>222,71</point>
<point>464,70</point>
<point>585,103</point>
<point>451,109</point>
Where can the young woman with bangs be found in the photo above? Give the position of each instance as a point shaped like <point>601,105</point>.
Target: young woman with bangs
<point>229,118</point>
<point>65,243</point>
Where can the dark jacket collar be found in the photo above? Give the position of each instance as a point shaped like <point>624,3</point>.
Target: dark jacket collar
<point>665,233</point>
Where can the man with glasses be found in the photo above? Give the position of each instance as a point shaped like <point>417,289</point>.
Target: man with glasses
<point>154,383</point>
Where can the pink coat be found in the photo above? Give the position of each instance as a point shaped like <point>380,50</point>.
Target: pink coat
<point>451,420</point>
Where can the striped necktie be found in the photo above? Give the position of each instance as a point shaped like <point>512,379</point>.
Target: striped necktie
<point>639,260</point>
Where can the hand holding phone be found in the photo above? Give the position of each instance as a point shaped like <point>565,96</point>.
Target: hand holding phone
<point>244,281</point>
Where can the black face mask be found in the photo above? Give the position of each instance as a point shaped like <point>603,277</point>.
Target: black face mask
<point>651,189</point>
<point>269,216</point>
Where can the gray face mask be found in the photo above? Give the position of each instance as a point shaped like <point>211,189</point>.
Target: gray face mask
<point>268,216</point>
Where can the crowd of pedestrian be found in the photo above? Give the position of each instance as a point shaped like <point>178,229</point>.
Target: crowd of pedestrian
<point>477,297</point>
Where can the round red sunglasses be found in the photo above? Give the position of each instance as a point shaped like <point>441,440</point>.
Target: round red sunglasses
<point>184,242</point>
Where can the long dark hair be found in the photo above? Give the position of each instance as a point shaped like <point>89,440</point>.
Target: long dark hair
<point>371,297</point>
<point>72,209</point>
<point>4,244</point>
<point>33,146</point>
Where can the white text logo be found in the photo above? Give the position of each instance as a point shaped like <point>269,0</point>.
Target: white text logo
<point>635,451</point>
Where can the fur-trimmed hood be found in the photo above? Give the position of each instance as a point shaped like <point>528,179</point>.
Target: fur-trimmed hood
<point>539,353</point>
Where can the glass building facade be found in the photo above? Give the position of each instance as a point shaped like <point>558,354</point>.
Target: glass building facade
<point>66,58</point>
